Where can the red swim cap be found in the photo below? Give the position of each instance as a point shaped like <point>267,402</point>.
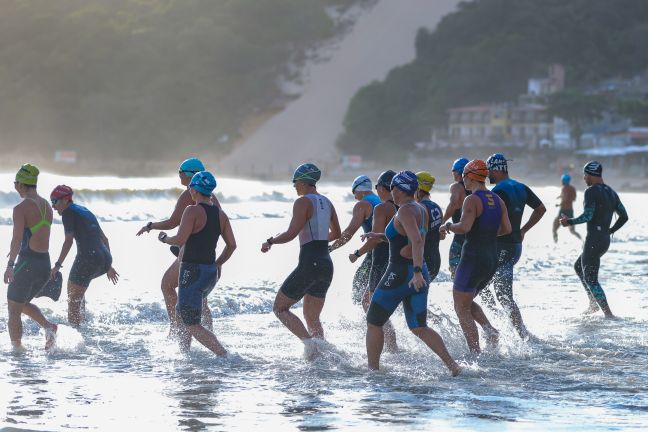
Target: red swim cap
<point>61,191</point>
<point>476,170</point>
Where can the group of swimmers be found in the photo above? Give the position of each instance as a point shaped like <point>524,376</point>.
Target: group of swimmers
<point>402,229</point>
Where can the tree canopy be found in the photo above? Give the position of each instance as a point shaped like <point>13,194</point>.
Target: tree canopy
<point>485,52</point>
<point>135,78</point>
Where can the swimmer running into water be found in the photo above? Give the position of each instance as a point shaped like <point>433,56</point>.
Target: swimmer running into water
<point>187,170</point>
<point>483,219</point>
<point>362,217</point>
<point>315,221</point>
<point>202,224</point>
<point>32,219</point>
<point>406,280</point>
<point>566,206</point>
<point>383,213</point>
<point>601,202</point>
<point>93,257</point>
<point>516,196</point>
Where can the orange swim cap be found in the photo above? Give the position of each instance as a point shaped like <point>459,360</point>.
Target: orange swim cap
<point>476,170</point>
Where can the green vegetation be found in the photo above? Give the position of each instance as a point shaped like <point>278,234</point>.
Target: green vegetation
<point>135,79</point>
<point>485,52</point>
<point>578,109</point>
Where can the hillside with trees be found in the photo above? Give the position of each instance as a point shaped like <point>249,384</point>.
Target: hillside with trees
<point>137,79</point>
<point>485,52</point>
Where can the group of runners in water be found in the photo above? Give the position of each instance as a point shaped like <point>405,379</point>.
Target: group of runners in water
<point>402,229</point>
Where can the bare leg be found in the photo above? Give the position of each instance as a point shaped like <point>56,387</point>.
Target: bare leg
<point>76,297</point>
<point>463,308</point>
<point>434,341</point>
<point>207,320</point>
<point>33,312</point>
<point>389,332</point>
<point>556,224</point>
<point>312,310</point>
<point>207,338</point>
<point>169,285</point>
<point>572,229</point>
<point>492,335</point>
<point>281,309</point>
<point>375,343</point>
<point>15,323</point>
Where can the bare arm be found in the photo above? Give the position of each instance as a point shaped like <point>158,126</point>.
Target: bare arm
<point>18,229</point>
<point>533,219</point>
<point>184,200</point>
<point>359,216</point>
<point>65,249</point>
<point>299,218</point>
<point>468,216</point>
<point>457,196</point>
<point>228,238</point>
<point>334,226</point>
<point>380,220</point>
<point>187,224</point>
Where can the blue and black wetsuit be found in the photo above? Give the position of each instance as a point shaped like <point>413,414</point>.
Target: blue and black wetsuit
<point>601,202</point>
<point>314,271</point>
<point>478,261</point>
<point>394,286</point>
<point>431,252</point>
<point>93,257</point>
<point>361,277</point>
<point>516,196</point>
<point>198,272</point>
<point>379,261</point>
<point>32,269</point>
<point>458,239</point>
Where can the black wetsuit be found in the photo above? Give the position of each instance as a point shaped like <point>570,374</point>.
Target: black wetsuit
<point>431,252</point>
<point>458,239</point>
<point>361,277</point>
<point>93,257</point>
<point>601,202</point>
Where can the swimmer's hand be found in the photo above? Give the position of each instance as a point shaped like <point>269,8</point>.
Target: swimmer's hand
<point>417,282</point>
<point>265,247</point>
<point>564,220</point>
<point>372,236</point>
<point>145,229</point>
<point>9,275</point>
<point>113,276</point>
<point>53,272</point>
<point>442,235</point>
<point>353,257</point>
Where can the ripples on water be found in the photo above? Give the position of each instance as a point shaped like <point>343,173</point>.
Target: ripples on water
<point>121,372</point>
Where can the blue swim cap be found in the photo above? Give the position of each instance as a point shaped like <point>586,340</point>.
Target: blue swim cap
<point>204,182</point>
<point>459,165</point>
<point>192,166</point>
<point>385,179</point>
<point>307,173</point>
<point>497,162</point>
<point>361,184</point>
<point>405,181</point>
<point>565,179</point>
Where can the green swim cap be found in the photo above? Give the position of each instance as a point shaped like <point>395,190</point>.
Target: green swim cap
<point>307,173</point>
<point>27,174</point>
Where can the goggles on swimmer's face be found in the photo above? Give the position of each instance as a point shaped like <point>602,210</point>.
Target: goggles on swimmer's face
<point>188,173</point>
<point>55,201</point>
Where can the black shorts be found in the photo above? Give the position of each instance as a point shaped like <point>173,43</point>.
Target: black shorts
<point>31,272</point>
<point>313,274</point>
<point>89,265</point>
<point>566,212</point>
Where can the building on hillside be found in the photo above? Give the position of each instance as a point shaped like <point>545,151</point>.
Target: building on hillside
<point>478,125</point>
<point>531,126</point>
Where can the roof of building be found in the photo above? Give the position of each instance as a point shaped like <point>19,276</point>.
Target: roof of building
<point>475,108</point>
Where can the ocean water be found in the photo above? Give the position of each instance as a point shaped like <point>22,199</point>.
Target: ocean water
<point>120,370</point>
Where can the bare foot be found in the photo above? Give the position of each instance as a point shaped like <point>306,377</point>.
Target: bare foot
<point>492,337</point>
<point>593,308</point>
<point>18,349</point>
<point>310,350</point>
<point>50,337</point>
<point>455,369</point>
